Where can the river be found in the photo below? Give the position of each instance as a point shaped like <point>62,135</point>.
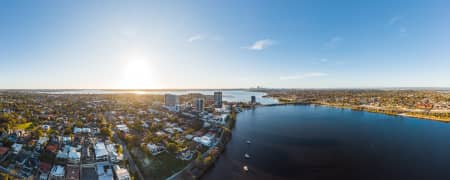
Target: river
<point>318,142</point>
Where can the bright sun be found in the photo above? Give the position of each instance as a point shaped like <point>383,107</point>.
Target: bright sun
<point>136,75</point>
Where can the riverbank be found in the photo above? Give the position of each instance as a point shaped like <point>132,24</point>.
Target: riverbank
<point>423,104</point>
<point>204,161</point>
<point>389,112</point>
<point>379,110</point>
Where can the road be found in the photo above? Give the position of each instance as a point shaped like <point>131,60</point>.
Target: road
<point>130,158</point>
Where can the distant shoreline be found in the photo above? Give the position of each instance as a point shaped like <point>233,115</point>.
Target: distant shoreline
<point>404,114</point>
<point>356,108</point>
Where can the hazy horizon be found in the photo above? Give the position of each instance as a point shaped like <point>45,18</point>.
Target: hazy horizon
<point>231,89</point>
<point>224,45</point>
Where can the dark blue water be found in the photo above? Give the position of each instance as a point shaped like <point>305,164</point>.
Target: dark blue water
<point>316,142</point>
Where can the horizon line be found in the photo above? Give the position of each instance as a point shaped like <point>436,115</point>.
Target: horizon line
<point>226,89</point>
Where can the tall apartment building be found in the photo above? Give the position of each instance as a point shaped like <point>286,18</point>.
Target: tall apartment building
<point>218,99</point>
<point>199,105</point>
<point>171,100</point>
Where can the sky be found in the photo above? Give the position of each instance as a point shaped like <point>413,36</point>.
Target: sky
<point>100,44</point>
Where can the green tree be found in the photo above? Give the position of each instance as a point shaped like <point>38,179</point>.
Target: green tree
<point>68,130</point>
<point>119,148</point>
<point>207,160</point>
<point>79,124</point>
<point>106,132</point>
<point>172,147</point>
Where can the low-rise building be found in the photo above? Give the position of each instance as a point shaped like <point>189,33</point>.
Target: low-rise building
<point>16,148</point>
<point>123,128</point>
<point>42,140</point>
<point>100,152</point>
<point>45,127</point>
<point>204,140</point>
<point>114,155</point>
<point>57,173</point>
<point>81,130</point>
<point>155,149</point>
<point>66,139</point>
<point>121,173</point>
<point>104,172</point>
<point>52,148</point>
<point>175,108</point>
<point>74,156</point>
<point>44,170</point>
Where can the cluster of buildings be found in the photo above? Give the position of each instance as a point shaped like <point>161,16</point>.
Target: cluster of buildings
<point>51,147</point>
<point>61,157</point>
<point>75,136</point>
<point>210,111</point>
<point>432,103</point>
<point>172,102</point>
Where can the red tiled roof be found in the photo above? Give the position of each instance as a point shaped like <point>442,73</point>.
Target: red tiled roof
<point>3,150</point>
<point>44,167</point>
<point>52,148</point>
<point>200,132</point>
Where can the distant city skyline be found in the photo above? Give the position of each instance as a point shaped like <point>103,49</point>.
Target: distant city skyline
<point>223,45</point>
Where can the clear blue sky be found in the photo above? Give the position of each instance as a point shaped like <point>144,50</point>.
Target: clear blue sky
<point>224,44</point>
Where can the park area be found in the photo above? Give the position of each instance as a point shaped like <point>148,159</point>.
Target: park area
<point>157,167</point>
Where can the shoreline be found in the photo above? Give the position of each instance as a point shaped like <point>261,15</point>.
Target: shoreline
<point>225,137</point>
<point>403,114</point>
<point>356,108</point>
<point>359,108</point>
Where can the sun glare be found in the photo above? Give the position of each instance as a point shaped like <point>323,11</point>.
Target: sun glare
<point>137,75</point>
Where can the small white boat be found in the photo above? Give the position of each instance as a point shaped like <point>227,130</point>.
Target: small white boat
<point>249,142</point>
<point>247,156</point>
<point>245,168</point>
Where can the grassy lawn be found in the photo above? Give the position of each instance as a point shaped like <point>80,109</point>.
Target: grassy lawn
<point>23,126</point>
<point>157,167</point>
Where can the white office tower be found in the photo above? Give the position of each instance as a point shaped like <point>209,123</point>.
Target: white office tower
<point>199,104</point>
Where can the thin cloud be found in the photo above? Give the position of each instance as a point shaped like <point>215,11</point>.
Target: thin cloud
<point>304,76</point>
<point>260,44</point>
<point>321,61</point>
<point>395,20</point>
<point>403,31</point>
<point>333,42</point>
<point>200,37</point>
<point>196,38</point>
<point>324,60</point>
